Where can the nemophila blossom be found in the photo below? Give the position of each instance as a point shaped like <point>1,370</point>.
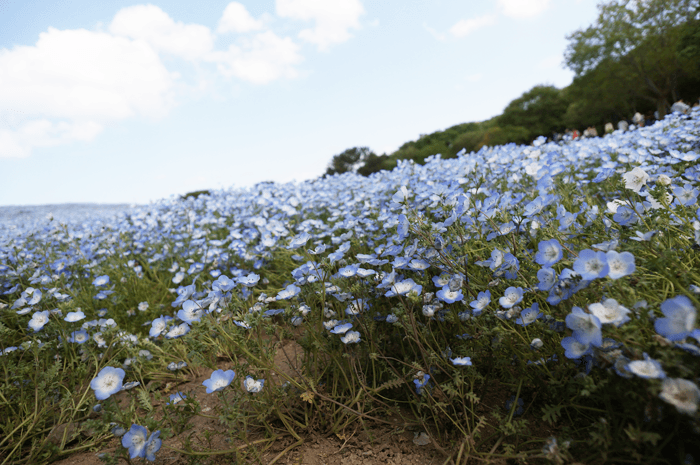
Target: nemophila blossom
<point>681,393</point>
<point>549,252</point>
<point>679,318</point>
<point>529,315</point>
<point>190,312</point>
<point>391,318</point>
<point>591,265</point>
<point>429,311</point>
<point>586,327</point>
<point>178,331</point>
<point>101,281</point>
<point>153,445</point>
<point>351,337</point>
<point>298,241</point>
<point>547,278</point>
<point>249,281</point>
<point>341,328</point>
<point>461,361</point>
<point>481,302</point>
<point>421,382</point>
<point>72,317</point>
<point>219,380</point>
<point>610,312</point>
<point>511,296</point>
<point>252,385</point>
<point>647,368</point>
<point>79,337</point>
<point>179,276</point>
<point>39,320</point>
<point>158,325</point>
<point>619,264</point>
<point>404,287</point>
<point>449,296</point>
<point>635,179</point>
<point>223,284</point>
<point>574,349</point>
<point>625,216</point>
<point>348,271</point>
<point>686,195</point>
<point>143,306</point>
<point>287,293</point>
<point>107,382</point>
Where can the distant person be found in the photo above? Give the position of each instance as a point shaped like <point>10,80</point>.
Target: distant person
<point>680,106</point>
<point>609,128</point>
<point>623,125</point>
<point>638,119</point>
<point>575,135</point>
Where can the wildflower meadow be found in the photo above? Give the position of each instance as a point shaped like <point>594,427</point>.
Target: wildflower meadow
<point>529,304</point>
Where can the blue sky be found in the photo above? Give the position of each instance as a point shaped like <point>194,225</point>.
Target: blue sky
<point>128,102</point>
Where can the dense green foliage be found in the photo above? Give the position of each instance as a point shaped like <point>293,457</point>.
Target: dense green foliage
<point>633,59</point>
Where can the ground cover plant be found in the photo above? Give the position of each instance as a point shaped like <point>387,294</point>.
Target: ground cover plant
<point>532,304</point>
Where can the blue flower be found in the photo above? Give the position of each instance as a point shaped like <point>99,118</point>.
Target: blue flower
<point>679,318</point>
<point>511,297</point>
<point>219,380</point>
<point>107,382</point>
<point>547,277</point>
<point>421,382</point>
<point>288,292</point>
<point>176,398</point>
<point>591,264</point>
<point>481,302</point>
<point>620,264</point>
<point>586,327</point>
<point>135,440</point>
<point>101,281</point>
<point>79,337</point>
<point>152,446</point>
<point>341,328</point>
<point>190,312</point>
<point>249,280</point>
<point>404,287</point>
<point>574,349</point>
<point>39,320</point>
<point>461,361</point>
<point>549,252</point>
<point>351,337</point>
<point>448,296</point>
<point>529,315</point>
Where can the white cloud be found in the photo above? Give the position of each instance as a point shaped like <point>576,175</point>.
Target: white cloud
<point>68,85</point>
<point>465,27</point>
<point>333,19</point>
<point>434,33</point>
<point>152,25</point>
<point>237,19</point>
<point>259,60</point>
<point>522,8</point>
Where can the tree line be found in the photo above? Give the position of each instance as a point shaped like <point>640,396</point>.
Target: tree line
<point>639,56</point>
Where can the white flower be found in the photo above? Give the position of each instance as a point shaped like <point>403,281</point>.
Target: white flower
<point>351,337</point>
<point>647,368</point>
<point>681,393</point>
<point>609,311</point>
<point>143,306</point>
<point>635,179</point>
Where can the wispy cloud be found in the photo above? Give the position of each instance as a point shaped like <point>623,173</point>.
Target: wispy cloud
<point>464,27</point>
<point>333,19</point>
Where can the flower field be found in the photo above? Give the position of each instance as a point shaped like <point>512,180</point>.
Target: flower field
<point>535,304</point>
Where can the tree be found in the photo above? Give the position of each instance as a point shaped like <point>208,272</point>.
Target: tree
<point>349,161</point>
<point>540,111</point>
<point>642,37</point>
